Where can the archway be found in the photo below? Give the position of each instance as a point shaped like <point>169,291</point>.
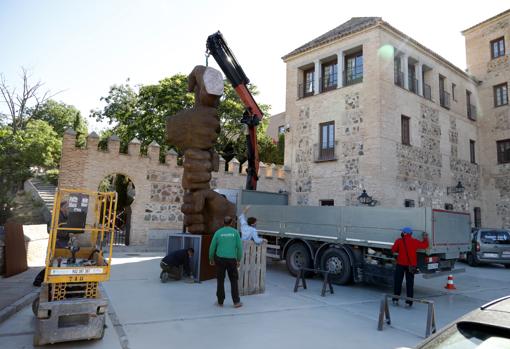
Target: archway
<point>125,189</point>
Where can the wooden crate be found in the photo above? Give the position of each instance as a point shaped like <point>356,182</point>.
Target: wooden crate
<point>252,272</point>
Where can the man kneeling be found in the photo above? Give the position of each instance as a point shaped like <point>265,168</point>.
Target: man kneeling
<point>175,262</point>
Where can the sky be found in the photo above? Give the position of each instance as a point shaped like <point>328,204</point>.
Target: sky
<point>82,47</point>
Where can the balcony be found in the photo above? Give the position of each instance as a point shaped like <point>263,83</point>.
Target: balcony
<point>471,112</point>
<point>353,75</point>
<point>321,153</point>
<point>444,99</point>
<point>427,92</point>
<point>413,84</point>
<point>306,90</point>
<point>399,78</point>
<point>328,82</point>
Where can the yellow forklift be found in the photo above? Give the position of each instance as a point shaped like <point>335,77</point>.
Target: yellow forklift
<point>70,305</point>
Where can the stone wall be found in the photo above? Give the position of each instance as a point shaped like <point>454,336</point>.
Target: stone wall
<point>493,121</point>
<point>157,185</point>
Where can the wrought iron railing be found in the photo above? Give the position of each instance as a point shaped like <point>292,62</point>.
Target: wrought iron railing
<point>323,152</point>
<point>471,112</point>
<point>328,82</point>
<point>412,84</point>
<point>399,78</point>
<point>444,99</point>
<point>306,90</point>
<point>427,91</point>
<point>353,75</point>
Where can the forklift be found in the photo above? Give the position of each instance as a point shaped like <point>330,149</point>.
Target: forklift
<point>70,305</point>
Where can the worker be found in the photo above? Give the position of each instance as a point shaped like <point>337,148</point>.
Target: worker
<point>248,227</point>
<point>226,252</point>
<point>406,247</point>
<point>172,263</point>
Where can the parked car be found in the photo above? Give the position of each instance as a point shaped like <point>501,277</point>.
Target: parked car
<point>489,246</point>
<point>485,327</point>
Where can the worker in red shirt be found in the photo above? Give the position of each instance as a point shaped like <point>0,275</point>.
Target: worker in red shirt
<point>406,248</point>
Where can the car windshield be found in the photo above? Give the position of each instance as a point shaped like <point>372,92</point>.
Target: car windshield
<point>495,237</point>
<point>468,335</point>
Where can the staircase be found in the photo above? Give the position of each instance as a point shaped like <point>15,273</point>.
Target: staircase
<point>43,192</point>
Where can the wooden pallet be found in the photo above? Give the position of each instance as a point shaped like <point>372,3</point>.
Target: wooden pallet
<point>252,272</point>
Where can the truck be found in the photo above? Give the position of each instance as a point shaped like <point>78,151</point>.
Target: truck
<point>353,243</point>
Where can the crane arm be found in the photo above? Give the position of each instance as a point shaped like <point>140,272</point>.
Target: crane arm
<point>218,48</point>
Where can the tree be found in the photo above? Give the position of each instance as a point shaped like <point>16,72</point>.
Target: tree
<point>19,105</point>
<point>35,146</point>
<point>142,114</point>
<point>60,116</point>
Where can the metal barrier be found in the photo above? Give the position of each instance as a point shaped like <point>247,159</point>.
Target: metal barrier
<point>384,312</point>
<point>327,280</point>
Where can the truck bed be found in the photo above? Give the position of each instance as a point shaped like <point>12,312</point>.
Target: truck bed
<point>449,231</point>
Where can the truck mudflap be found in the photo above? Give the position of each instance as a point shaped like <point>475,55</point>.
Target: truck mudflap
<point>443,273</point>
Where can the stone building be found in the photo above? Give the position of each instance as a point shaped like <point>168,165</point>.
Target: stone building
<point>489,62</point>
<point>158,190</point>
<point>369,108</point>
<point>276,126</point>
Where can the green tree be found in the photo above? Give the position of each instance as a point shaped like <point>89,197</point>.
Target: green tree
<point>141,113</point>
<point>62,116</point>
<point>35,146</point>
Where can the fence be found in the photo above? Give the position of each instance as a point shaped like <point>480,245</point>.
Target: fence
<point>252,272</point>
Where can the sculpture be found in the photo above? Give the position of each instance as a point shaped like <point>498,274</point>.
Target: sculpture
<point>195,131</point>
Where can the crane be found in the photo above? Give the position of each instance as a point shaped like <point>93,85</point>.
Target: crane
<point>218,48</point>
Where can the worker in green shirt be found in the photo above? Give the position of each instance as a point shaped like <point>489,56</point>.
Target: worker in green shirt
<point>226,252</point>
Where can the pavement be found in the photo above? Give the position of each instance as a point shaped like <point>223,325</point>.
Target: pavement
<point>144,313</point>
<point>16,292</point>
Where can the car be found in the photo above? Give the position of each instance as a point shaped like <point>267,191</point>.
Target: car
<point>489,246</point>
<point>485,327</point>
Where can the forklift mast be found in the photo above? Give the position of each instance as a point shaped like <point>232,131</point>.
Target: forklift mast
<point>218,48</point>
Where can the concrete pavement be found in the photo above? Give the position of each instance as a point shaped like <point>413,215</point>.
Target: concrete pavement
<point>155,315</point>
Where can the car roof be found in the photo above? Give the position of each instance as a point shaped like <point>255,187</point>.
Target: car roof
<point>500,304</point>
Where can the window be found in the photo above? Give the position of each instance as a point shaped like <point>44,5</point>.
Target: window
<point>503,151</point>
<point>354,68</point>
<point>478,217</point>
<point>472,151</point>
<point>453,91</point>
<point>444,97</point>
<point>497,48</point>
<point>281,129</point>
<point>408,203</point>
<point>327,202</point>
<point>406,139</point>
<point>399,74</point>
<point>471,109</point>
<point>500,95</point>
<point>308,77</point>
<point>329,76</point>
<point>327,141</point>
<point>412,81</point>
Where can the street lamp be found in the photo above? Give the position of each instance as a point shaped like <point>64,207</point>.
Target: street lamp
<point>364,198</point>
<point>459,188</point>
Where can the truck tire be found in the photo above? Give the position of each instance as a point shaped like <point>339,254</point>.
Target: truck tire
<point>298,257</point>
<point>35,306</point>
<point>471,259</point>
<point>337,262</point>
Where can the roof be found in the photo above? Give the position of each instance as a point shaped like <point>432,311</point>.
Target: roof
<point>353,25</point>
<point>357,24</point>
<point>504,13</point>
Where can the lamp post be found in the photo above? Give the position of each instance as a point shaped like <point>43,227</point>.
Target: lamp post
<point>364,198</point>
<point>459,188</point>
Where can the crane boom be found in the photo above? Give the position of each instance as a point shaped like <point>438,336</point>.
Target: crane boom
<point>218,48</point>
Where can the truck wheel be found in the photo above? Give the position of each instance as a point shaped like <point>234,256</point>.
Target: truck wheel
<point>471,260</point>
<point>298,257</point>
<point>336,261</point>
<point>35,306</point>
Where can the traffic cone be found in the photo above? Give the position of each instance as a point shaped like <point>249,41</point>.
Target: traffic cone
<point>449,284</point>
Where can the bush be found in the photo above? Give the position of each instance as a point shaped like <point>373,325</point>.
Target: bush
<point>51,176</point>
